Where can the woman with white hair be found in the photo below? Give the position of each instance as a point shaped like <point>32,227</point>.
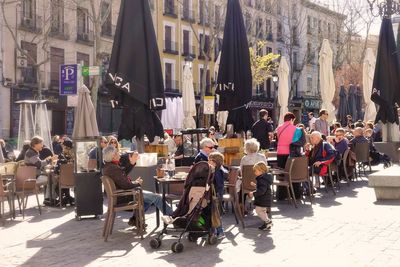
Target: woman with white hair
<point>251,148</point>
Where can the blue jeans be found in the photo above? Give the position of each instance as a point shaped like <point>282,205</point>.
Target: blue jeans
<point>150,198</point>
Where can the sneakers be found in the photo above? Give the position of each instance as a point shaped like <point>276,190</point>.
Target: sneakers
<point>221,236</point>
<point>266,225</point>
<point>168,219</point>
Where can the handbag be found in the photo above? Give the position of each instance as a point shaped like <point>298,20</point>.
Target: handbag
<point>215,215</point>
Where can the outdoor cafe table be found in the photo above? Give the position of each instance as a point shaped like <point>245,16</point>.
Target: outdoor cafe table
<point>10,178</point>
<point>164,182</point>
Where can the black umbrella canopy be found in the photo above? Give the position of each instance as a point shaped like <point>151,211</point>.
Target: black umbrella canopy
<point>135,77</point>
<point>343,106</point>
<point>234,76</point>
<point>386,77</point>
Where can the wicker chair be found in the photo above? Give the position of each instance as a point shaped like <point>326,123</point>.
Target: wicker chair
<point>248,176</point>
<point>5,194</point>
<point>362,155</point>
<point>66,178</point>
<point>232,194</point>
<point>25,184</point>
<point>113,207</point>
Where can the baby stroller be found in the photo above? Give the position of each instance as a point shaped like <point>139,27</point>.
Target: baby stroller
<point>193,214</point>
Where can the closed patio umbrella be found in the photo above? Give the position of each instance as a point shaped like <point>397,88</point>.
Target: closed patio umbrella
<point>85,122</point>
<point>351,99</point>
<point>189,102</point>
<point>283,88</point>
<point>343,106</point>
<point>359,101</point>
<point>234,83</point>
<point>387,82</point>
<point>368,76</point>
<point>135,77</point>
<point>327,82</point>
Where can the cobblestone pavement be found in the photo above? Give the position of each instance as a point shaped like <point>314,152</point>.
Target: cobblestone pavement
<point>349,229</point>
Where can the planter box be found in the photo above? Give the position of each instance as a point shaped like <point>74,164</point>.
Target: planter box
<point>386,183</point>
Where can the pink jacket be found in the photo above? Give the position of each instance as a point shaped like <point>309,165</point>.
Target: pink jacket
<point>285,134</point>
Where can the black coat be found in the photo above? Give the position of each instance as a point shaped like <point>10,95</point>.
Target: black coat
<point>263,193</point>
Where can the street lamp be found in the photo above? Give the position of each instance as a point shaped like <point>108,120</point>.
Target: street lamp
<point>386,8</point>
<point>275,79</point>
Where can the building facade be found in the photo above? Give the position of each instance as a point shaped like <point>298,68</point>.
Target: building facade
<point>36,36</point>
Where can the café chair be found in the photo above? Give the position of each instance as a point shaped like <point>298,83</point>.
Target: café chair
<point>25,184</point>
<point>346,167</point>
<point>362,157</point>
<point>332,167</point>
<point>8,168</point>
<point>231,195</point>
<point>135,205</point>
<point>66,179</point>
<point>235,162</point>
<point>248,176</point>
<point>175,190</point>
<point>5,194</point>
<point>296,171</point>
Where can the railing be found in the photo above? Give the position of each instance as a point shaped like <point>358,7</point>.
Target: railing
<point>187,14</point>
<point>31,23</point>
<point>108,30</point>
<point>188,51</point>
<point>170,8</point>
<point>28,75</point>
<point>59,30</point>
<point>171,86</point>
<point>170,47</point>
<point>85,36</point>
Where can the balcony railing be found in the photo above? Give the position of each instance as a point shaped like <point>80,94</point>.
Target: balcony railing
<point>108,31</point>
<point>187,14</point>
<point>188,51</point>
<point>28,75</point>
<point>171,86</point>
<point>170,47</point>
<point>30,23</point>
<point>170,9</point>
<point>59,30</point>
<point>84,36</point>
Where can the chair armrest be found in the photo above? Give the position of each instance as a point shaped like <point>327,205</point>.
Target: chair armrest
<point>132,191</point>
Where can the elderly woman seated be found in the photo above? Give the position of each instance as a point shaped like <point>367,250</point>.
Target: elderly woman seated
<point>251,148</point>
<point>123,181</point>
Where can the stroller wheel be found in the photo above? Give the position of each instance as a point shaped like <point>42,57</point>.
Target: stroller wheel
<point>155,243</point>
<point>192,238</point>
<point>177,247</point>
<point>212,239</point>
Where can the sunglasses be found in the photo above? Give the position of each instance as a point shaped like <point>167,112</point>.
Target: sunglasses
<point>210,147</point>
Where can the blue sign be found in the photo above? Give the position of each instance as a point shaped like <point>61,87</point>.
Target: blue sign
<point>68,79</point>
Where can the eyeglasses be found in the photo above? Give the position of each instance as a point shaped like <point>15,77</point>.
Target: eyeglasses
<point>210,147</point>
<point>113,142</point>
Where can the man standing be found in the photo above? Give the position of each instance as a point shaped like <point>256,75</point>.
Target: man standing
<point>311,121</point>
<point>262,130</point>
<point>321,124</point>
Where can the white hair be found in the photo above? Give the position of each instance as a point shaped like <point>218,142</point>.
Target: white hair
<point>108,153</point>
<point>316,133</point>
<point>206,142</point>
<point>251,146</point>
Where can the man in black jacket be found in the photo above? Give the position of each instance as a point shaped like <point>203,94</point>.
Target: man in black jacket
<point>262,130</point>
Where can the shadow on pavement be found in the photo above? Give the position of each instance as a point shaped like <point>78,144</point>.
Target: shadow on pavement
<point>86,244</point>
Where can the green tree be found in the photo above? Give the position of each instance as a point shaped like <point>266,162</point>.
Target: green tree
<point>262,66</point>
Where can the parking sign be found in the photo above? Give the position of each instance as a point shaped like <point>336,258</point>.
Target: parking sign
<point>68,79</point>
